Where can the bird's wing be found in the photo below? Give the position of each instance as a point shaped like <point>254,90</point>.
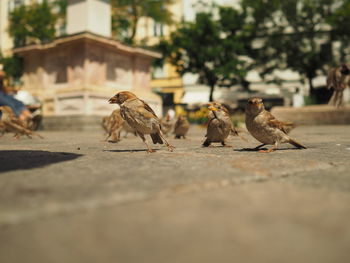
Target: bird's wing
<point>148,109</point>
<point>273,122</point>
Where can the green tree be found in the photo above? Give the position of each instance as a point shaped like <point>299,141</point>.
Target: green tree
<point>211,48</point>
<point>298,34</point>
<point>13,66</point>
<point>126,15</point>
<point>32,23</point>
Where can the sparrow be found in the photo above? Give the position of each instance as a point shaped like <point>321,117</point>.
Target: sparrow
<point>181,127</point>
<point>167,124</point>
<point>2,128</point>
<point>140,116</point>
<point>14,125</point>
<point>113,126</point>
<point>264,127</point>
<point>338,78</point>
<point>219,125</point>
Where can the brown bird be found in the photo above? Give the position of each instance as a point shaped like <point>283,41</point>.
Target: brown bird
<point>140,116</point>
<point>264,127</point>
<point>127,128</point>
<point>13,124</point>
<point>2,128</point>
<point>181,127</point>
<point>219,125</point>
<point>338,78</point>
<point>167,124</point>
<point>113,125</point>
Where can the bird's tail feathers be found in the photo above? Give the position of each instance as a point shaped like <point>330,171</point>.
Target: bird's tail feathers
<point>156,138</point>
<point>296,144</point>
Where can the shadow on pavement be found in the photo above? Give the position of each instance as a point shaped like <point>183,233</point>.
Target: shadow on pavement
<point>27,159</point>
<point>264,148</point>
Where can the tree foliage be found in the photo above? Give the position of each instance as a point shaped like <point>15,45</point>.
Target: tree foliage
<point>209,47</point>
<point>32,23</point>
<point>13,66</point>
<point>299,35</point>
<point>126,15</point>
<point>305,36</point>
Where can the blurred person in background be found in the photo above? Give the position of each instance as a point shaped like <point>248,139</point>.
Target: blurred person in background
<point>23,104</point>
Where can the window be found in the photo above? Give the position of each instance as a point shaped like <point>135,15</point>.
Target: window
<point>157,29</point>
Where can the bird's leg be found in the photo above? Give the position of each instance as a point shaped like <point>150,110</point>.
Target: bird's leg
<point>224,144</point>
<point>340,102</point>
<point>170,147</point>
<point>206,143</point>
<point>273,148</point>
<point>142,136</point>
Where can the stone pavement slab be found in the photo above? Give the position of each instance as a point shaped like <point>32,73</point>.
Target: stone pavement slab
<point>73,198</point>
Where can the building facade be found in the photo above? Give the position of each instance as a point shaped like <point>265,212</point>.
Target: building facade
<point>75,75</point>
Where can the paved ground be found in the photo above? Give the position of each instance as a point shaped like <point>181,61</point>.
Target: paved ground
<point>73,198</point>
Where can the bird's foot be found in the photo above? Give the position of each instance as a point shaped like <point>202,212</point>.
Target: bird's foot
<point>170,147</point>
<point>267,151</point>
<point>150,151</point>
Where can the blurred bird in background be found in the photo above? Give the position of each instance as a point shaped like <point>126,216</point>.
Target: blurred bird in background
<point>167,124</point>
<point>181,127</point>
<point>10,123</point>
<point>338,78</point>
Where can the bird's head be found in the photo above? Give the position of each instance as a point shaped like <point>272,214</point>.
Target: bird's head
<point>218,108</point>
<point>120,97</point>
<point>255,105</point>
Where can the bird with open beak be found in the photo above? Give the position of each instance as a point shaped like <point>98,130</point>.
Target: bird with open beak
<point>140,116</point>
<point>11,123</point>
<point>219,125</point>
<point>264,127</point>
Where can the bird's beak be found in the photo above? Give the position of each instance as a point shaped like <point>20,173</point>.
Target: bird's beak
<point>212,108</point>
<point>113,100</point>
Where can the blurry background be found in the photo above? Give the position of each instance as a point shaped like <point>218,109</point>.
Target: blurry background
<point>177,54</point>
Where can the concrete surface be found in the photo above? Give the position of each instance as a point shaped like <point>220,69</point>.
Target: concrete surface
<point>73,198</point>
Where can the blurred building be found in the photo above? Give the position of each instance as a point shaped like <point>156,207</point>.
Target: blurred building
<point>74,75</point>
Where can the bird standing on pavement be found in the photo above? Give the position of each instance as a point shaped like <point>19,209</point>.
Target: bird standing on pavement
<point>140,116</point>
<point>264,127</point>
<point>219,125</point>
<point>338,78</point>
<point>181,127</point>
<point>113,125</point>
<point>11,123</point>
<point>167,124</point>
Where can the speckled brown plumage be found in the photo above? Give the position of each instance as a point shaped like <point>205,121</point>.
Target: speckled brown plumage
<point>264,127</point>
<point>140,116</point>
